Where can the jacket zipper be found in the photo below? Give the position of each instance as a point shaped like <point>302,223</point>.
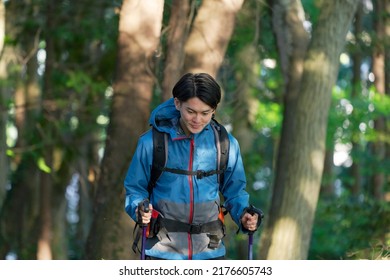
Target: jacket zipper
<point>190,179</point>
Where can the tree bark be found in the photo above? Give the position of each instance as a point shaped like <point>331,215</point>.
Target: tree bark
<point>210,35</point>
<point>139,35</point>
<point>301,152</point>
<point>179,23</point>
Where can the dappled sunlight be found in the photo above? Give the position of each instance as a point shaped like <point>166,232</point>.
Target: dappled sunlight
<point>318,62</point>
<point>317,161</point>
<point>309,193</point>
<point>44,250</point>
<point>341,155</point>
<point>287,235</point>
<point>134,24</point>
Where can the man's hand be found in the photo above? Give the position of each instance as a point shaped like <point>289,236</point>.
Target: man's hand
<point>145,216</point>
<point>249,221</point>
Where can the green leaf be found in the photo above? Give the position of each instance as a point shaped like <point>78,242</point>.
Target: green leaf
<point>10,153</point>
<point>43,166</point>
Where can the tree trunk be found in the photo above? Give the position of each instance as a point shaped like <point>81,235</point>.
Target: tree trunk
<point>245,107</point>
<point>301,152</point>
<point>356,187</point>
<point>210,35</point>
<point>179,23</point>
<point>244,102</point>
<point>3,113</point>
<point>327,187</point>
<point>4,166</point>
<point>378,69</point>
<point>292,41</point>
<point>139,34</point>
<point>18,216</point>
<point>387,83</point>
<point>44,249</point>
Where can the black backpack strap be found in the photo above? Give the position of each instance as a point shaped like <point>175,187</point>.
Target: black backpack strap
<point>198,173</point>
<point>159,157</point>
<point>223,144</point>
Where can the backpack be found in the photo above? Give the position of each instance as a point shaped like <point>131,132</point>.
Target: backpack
<point>160,155</point>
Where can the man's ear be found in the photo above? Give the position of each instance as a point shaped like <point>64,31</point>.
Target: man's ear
<point>177,103</point>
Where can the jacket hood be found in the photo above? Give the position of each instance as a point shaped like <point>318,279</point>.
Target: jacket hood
<point>165,116</point>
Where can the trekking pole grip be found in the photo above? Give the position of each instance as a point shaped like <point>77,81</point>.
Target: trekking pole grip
<point>252,211</point>
<point>144,207</point>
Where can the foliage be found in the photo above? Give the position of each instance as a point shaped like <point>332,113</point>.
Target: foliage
<point>347,229</point>
<point>351,123</point>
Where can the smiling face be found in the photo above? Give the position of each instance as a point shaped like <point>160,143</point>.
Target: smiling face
<point>195,114</point>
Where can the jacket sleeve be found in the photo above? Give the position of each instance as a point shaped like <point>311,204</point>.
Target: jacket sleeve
<point>138,174</point>
<point>234,187</point>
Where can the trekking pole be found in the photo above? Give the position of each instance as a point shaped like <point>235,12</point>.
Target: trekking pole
<point>145,208</point>
<point>250,245</point>
<point>253,210</point>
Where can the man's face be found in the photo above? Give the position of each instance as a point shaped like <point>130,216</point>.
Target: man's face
<point>195,114</point>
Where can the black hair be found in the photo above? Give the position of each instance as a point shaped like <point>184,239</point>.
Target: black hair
<point>200,85</point>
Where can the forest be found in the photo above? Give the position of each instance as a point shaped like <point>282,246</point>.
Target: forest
<point>306,87</point>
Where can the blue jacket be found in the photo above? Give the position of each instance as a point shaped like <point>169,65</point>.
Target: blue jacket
<point>182,197</point>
